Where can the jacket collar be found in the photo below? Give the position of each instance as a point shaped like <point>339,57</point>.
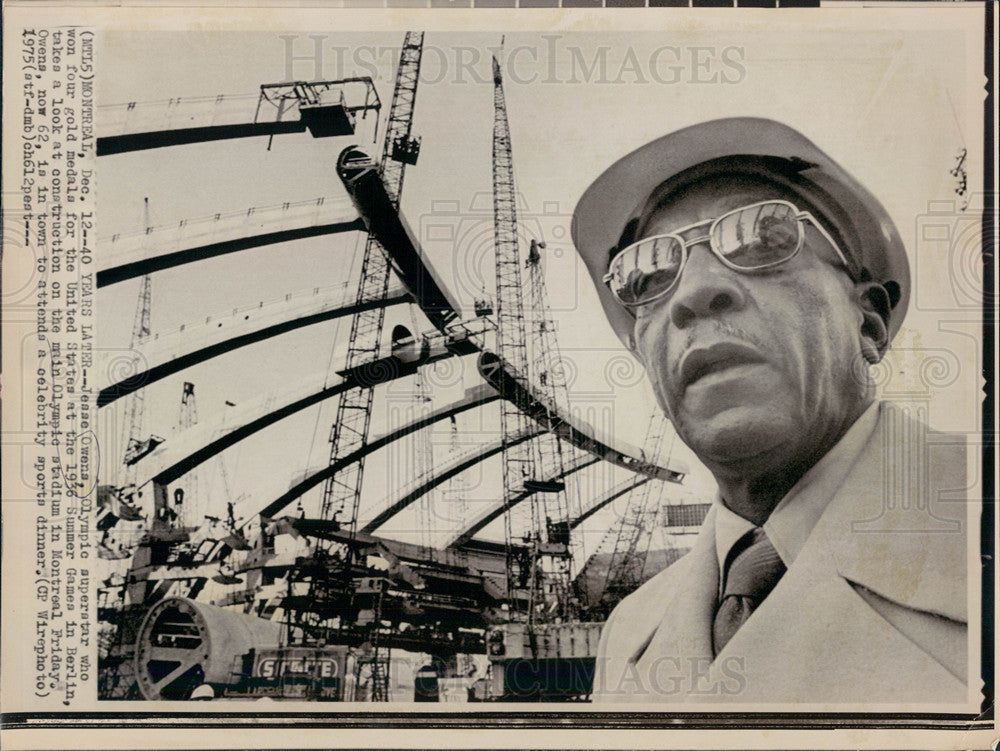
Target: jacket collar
<point>890,527</point>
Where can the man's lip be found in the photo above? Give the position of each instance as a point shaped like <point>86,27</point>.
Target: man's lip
<point>699,361</point>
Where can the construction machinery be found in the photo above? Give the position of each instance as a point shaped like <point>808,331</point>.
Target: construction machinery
<point>316,603</point>
<point>539,557</point>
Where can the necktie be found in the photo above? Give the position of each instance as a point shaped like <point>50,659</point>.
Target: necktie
<point>754,568</point>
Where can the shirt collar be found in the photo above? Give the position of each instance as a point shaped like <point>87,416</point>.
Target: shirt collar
<point>729,527</point>
<point>796,514</point>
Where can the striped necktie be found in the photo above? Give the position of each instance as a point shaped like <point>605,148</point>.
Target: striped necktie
<point>754,568</point>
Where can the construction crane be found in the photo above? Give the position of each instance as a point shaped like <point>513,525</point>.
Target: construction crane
<point>187,499</point>
<point>349,433</point>
<point>548,368</point>
<point>123,503</point>
<point>324,108</point>
<point>140,333</point>
<point>633,532</point>
<point>423,452</point>
<point>457,487</point>
<point>350,428</point>
<point>548,372</point>
<point>527,565</point>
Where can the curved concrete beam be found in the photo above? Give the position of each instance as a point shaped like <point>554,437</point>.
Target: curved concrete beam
<point>626,486</point>
<point>474,397</point>
<point>133,254</point>
<point>165,355</point>
<point>528,399</point>
<point>471,529</point>
<point>388,226</point>
<point>291,107</point>
<point>184,451</point>
<point>424,484</point>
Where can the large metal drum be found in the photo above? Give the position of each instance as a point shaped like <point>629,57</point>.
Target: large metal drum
<point>183,644</point>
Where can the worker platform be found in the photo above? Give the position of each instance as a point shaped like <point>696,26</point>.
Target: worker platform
<point>324,108</point>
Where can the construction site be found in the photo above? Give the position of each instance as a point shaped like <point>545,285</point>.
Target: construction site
<point>458,574</point>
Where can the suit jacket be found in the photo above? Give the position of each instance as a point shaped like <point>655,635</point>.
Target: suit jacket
<point>872,611</point>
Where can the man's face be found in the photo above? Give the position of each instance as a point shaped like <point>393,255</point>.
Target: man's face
<point>748,364</point>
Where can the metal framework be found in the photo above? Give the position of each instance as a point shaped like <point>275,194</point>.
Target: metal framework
<point>423,454</point>
<point>613,494</point>
<point>187,499</point>
<point>442,473</point>
<point>213,336</point>
<point>548,372</point>
<point>140,333</point>
<point>471,528</point>
<point>302,95</point>
<point>518,458</point>
<point>634,530</point>
<point>473,398</point>
<point>350,428</point>
<point>133,254</point>
<point>321,107</point>
<point>569,427</point>
<point>182,452</point>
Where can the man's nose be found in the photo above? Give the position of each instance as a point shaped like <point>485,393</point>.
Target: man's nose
<point>706,288</point>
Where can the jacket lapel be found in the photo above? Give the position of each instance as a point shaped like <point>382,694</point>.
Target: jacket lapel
<point>896,527</point>
<point>680,647</point>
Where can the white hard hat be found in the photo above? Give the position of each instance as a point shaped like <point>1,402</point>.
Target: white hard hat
<point>203,693</point>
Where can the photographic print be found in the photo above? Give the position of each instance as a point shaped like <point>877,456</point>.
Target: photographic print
<point>607,366</point>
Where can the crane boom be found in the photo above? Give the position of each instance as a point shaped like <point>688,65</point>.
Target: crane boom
<point>349,433</point>
<point>633,531</point>
<point>548,372</point>
<point>518,462</point>
<point>140,333</point>
<point>536,468</point>
<point>350,428</point>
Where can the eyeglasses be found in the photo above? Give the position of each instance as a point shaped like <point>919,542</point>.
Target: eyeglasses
<point>753,238</point>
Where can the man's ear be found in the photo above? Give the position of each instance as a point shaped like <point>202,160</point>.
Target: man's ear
<point>873,301</point>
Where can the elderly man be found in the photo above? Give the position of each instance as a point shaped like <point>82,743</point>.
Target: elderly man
<point>756,280</point>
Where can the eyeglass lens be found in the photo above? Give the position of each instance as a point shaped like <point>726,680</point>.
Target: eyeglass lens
<point>748,238</point>
<point>757,236</point>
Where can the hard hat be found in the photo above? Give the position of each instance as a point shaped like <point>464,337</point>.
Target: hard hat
<point>203,692</point>
<point>854,217</point>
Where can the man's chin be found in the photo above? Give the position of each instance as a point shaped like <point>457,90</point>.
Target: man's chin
<point>735,435</point>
